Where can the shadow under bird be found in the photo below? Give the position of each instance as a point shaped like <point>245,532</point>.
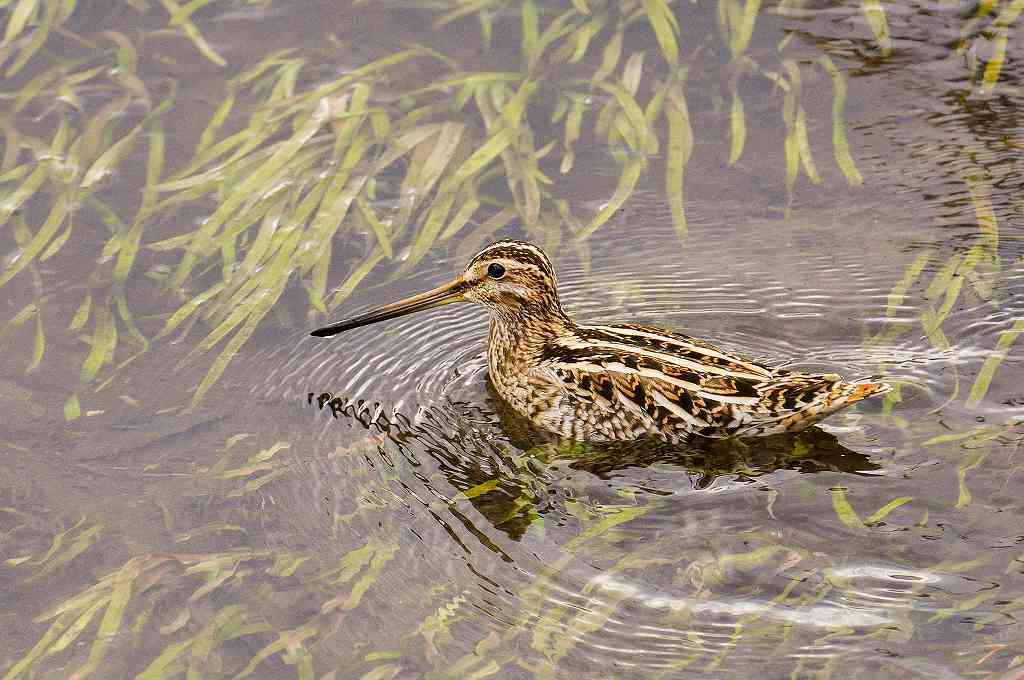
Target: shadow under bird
<point>611,382</point>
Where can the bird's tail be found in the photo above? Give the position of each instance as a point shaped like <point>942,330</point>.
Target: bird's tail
<point>846,393</point>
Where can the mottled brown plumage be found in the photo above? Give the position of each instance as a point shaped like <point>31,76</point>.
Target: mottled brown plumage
<point>622,381</point>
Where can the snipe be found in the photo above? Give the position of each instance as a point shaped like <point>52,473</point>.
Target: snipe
<point>622,381</point>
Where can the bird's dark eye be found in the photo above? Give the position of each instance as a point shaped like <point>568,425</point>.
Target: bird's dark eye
<point>495,270</point>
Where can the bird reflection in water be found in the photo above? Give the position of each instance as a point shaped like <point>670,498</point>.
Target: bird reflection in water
<point>502,464</point>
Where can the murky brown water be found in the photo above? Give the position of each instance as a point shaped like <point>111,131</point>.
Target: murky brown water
<point>407,528</point>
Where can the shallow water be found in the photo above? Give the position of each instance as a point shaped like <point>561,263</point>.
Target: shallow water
<point>362,507</point>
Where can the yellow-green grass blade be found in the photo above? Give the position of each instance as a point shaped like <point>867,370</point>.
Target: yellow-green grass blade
<point>680,146</point>
<point>628,178</point>
<point>879,515</point>
<point>988,369</point>
<point>255,184</point>
<point>39,649</point>
<point>220,116</point>
<point>840,143</point>
<point>874,12</point>
<point>737,126</point>
<point>665,28</point>
<point>743,27</point>
<point>462,10</point>
<point>72,408</point>
<point>19,19</point>
<point>610,56</point>
<point>104,341</point>
<point>633,112</point>
<point>179,17</point>
<point>255,314</point>
<point>38,39</point>
<point>979,185</point>
<point>844,511</point>
<point>804,144</point>
<point>530,33</point>
<point>58,213</point>
<point>39,344</point>
<point>130,244</point>
<point>110,626</point>
<point>27,312</point>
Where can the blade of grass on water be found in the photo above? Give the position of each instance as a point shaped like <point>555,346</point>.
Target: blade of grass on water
<point>130,243</point>
<point>179,17</point>
<point>42,237</point>
<point>254,185</point>
<point>663,23</point>
<point>38,39</point>
<point>737,125</point>
<point>39,345</point>
<point>680,145</point>
<point>884,511</point>
<point>844,511</point>
<point>19,18</point>
<point>529,32</point>
<point>840,143</point>
<point>110,626</point>
<point>874,12</point>
<point>633,112</point>
<point>742,26</point>
<point>988,369</point>
<point>610,56</point>
<point>627,182</point>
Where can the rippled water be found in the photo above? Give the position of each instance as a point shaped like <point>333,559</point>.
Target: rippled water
<point>365,501</point>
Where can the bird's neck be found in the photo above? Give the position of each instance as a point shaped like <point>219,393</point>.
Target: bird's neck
<point>518,338</point>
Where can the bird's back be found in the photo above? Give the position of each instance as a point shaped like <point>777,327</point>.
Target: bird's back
<point>624,381</point>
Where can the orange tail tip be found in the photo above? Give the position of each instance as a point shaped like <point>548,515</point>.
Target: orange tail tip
<point>863,390</point>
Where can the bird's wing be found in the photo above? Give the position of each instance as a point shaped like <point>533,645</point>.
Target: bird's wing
<point>662,381</point>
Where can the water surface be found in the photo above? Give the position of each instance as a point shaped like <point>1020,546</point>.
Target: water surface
<point>362,507</point>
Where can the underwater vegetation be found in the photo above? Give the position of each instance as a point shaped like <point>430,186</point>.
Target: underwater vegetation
<point>315,170</point>
<point>293,161</point>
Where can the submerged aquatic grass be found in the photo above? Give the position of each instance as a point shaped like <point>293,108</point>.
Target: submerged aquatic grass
<point>296,160</point>
<point>311,164</point>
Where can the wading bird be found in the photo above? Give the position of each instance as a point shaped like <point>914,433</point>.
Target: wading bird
<point>611,382</point>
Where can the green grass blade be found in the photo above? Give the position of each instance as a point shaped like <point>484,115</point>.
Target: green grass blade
<point>530,34</point>
<point>19,18</point>
<point>738,127</point>
<point>179,17</point>
<point>680,146</point>
<point>988,369</point>
<point>72,409</point>
<point>840,143</point>
<point>627,182</point>
<point>633,112</point>
<point>874,12</point>
<point>879,515</point>
<point>58,213</point>
<point>254,185</point>
<point>104,340</point>
<point>844,511</point>
<point>665,27</point>
<point>610,57</point>
<point>39,345</point>
<point>742,28</point>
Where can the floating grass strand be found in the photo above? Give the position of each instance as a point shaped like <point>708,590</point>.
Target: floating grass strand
<point>993,67</point>
<point>680,145</point>
<point>737,123</point>
<point>875,14</point>
<point>293,169</point>
<point>988,370</point>
<point>180,17</point>
<point>840,143</point>
<point>665,26</point>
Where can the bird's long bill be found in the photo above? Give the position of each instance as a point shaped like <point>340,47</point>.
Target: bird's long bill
<point>442,295</point>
